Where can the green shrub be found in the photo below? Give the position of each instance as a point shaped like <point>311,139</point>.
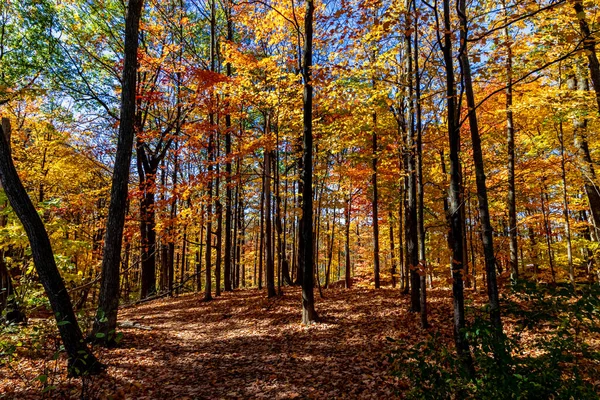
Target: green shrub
<point>546,358</point>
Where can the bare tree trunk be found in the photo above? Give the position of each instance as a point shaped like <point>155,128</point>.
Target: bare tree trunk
<point>392,250</point>
<point>105,322</point>
<point>309,314</point>
<point>510,139</point>
<point>228,189</point>
<point>455,201</point>
<point>347,247</point>
<point>412,255</point>
<point>482,198</point>
<point>566,207</point>
<point>589,44</point>
<point>548,235</point>
<point>268,225</point>
<point>81,360</point>
<point>419,178</point>
<point>8,300</point>
<point>376,266</point>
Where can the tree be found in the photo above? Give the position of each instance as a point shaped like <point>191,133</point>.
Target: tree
<point>105,322</point>
<point>309,315</point>
<point>81,360</point>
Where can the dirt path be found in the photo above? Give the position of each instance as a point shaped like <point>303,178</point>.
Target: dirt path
<point>244,346</point>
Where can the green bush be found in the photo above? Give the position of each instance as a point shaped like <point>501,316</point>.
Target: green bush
<point>546,358</point>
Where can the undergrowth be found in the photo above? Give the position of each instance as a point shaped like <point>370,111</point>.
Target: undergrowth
<point>548,355</point>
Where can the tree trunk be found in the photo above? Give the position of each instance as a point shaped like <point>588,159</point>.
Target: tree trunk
<point>566,207</point>
<point>392,250</point>
<point>348,209</point>
<point>147,181</point>
<point>482,198</point>
<point>419,165</point>
<point>374,204</point>
<point>589,44</point>
<point>455,201</point>
<point>81,360</point>
<point>8,301</point>
<point>510,140</point>
<point>228,189</point>
<point>105,322</point>
<point>412,255</point>
<point>270,275</point>
<point>309,314</point>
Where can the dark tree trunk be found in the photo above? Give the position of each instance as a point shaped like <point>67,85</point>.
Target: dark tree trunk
<point>8,300</point>
<point>299,259</point>
<point>105,322</point>
<point>309,314</point>
<point>270,275</point>
<point>510,140</point>
<point>348,210</point>
<point>209,216</point>
<point>81,360</point>
<point>376,266</point>
<point>228,189</point>
<point>589,44</point>
<point>392,249</point>
<point>420,187</point>
<point>147,182</point>
<point>548,235</point>
<point>482,198</point>
<point>279,226</point>
<point>586,164</point>
<point>455,201</point>
<point>412,239</point>
<point>261,244</point>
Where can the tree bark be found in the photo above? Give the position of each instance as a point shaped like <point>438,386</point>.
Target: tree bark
<point>8,301</point>
<point>589,44</point>
<point>105,322</point>
<point>455,201</point>
<point>510,140</point>
<point>270,270</point>
<point>482,198</point>
<point>309,314</point>
<point>81,360</point>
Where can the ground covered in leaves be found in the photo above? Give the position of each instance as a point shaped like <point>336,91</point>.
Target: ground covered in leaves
<point>242,345</point>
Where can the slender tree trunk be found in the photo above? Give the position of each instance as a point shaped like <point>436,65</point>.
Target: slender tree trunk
<point>412,239</point>
<point>240,268</point>
<point>279,226</point>
<point>586,164</point>
<point>330,250</point>
<point>268,225</point>
<point>261,244</point>
<point>548,235</point>
<point>419,166</point>
<point>566,207</point>
<point>484,214</point>
<point>228,189</point>
<point>348,209</point>
<point>589,45</point>
<point>376,266</point>
<point>510,139</point>
<point>81,360</point>
<point>309,314</point>
<point>211,161</point>
<point>455,201</point>
<point>8,300</point>
<point>392,250</point>
<point>105,322</point>
<point>147,183</point>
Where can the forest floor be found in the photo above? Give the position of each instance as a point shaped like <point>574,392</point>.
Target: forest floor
<point>242,345</point>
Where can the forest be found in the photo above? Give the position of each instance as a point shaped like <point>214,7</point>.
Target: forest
<point>299,199</point>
